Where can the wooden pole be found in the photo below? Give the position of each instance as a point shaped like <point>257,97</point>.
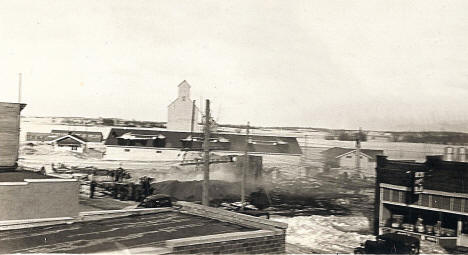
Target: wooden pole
<point>206,163</point>
<point>19,87</point>
<point>246,167</point>
<point>192,124</point>
<point>358,151</point>
<point>19,116</point>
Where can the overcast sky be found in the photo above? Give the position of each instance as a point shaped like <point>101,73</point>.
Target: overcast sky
<point>337,64</point>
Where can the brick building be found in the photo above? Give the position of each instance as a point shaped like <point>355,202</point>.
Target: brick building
<point>428,200</point>
<point>27,195</point>
<point>191,229</point>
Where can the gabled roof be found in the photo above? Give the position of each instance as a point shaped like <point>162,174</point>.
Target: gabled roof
<point>21,105</point>
<point>184,82</point>
<point>338,152</point>
<point>231,142</point>
<point>73,137</point>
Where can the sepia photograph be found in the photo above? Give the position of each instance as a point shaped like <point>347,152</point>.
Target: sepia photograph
<point>233,127</point>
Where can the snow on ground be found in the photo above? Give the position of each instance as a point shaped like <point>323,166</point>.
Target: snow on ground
<point>326,234</point>
<point>335,234</point>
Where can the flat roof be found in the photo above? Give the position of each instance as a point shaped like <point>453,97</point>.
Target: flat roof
<point>19,176</point>
<point>114,234</point>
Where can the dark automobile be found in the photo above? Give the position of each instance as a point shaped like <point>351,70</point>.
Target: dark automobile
<point>155,201</point>
<point>390,243</point>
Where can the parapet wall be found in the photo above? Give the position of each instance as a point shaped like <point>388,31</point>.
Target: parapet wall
<point>232,217</point>
<point>253,242</point>
<point>269,239</point>
<point>39,199</point>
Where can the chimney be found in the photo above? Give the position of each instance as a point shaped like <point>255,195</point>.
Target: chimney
<point>448,153</point>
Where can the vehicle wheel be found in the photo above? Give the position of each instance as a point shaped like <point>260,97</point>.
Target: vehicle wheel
<point>413,251</point>
<point>359,251</point>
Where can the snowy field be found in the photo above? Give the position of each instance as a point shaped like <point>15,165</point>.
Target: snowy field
<point>320,234</point>
<point>335,234</point>
<point>415,151</point>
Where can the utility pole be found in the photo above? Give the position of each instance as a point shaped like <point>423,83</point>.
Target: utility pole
<point>192,124</point>
<point>246,167</point>
<point>19,115</point>
<point>304,156</point>
<point>206,163</point>
<point>358,151</point>
<point>19,87</point>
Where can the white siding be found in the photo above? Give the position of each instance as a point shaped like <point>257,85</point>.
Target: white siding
<point>179,112</point>
<point>349,161</point>
<point>68,148</point>
<point>9,133</point>
<point>142,154</point>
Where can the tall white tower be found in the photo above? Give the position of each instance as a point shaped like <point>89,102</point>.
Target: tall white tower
<point>179,112</point>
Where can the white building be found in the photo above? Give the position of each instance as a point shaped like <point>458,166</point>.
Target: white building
<point>179,112</point>
<point>345,159</point>
<point>165,145</point>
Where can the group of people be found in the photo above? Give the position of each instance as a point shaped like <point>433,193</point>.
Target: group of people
<point>124,191</point>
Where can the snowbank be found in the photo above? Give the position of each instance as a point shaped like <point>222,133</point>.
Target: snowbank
<point>336,234</point>
<point>326,234</point>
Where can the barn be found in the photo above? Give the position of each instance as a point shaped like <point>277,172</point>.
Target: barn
<point>164,145</point>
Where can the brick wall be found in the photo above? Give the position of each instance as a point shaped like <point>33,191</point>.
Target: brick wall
<point>440,175</point>
<point>254,242</point>
<point>39,198</point>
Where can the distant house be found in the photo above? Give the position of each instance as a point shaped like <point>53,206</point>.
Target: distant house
<point>69,143</point>
<point>140,144</point>
<point>378,136</point>
<point>89,136</point>
<point>345,158</point>
<point>40,137</point>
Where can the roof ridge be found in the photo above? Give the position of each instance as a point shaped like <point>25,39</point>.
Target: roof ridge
<point>184,81</point>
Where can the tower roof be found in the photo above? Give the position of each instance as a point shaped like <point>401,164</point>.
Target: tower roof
<point>185,83</point>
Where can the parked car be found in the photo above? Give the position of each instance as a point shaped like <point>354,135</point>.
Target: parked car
<point>390,243</point>
<point>155,201</point>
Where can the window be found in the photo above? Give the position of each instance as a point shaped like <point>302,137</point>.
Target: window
<point>74,148</point>
<point>158,151</point>
<point>349,156</point>
<point>126,150</point>
<point>159,142</point>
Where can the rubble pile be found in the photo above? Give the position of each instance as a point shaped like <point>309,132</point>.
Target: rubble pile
<point>192,190</point>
